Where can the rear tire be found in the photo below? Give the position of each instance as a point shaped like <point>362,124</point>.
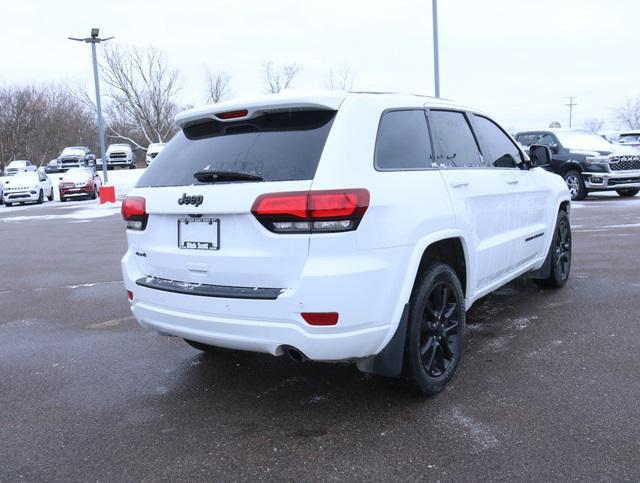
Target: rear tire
<point>628,192</point>
<point>50,197</point>
<point>200,346</point>
<point>8,205</point>
<point>436,329</point>
<point>559,254</point>
<point>575,183</point>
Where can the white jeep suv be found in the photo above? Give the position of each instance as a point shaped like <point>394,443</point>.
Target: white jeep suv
<point>351,226</point>
<point>27,186</point>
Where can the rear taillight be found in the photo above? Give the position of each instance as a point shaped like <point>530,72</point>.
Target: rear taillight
<point>134,212</point>
<point>312,211</point>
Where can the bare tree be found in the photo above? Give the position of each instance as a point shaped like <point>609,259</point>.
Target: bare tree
<point>218,85</point>
<point>142,90</point>
<point>629,113</point>
<point>37,121</point>
<point>593,125</point>
<point>277,79</point>
<point>340,80</point>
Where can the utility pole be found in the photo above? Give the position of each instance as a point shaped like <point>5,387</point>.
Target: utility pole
<point>571,104</point>
<point>436,56</point>
<point>93,40</point>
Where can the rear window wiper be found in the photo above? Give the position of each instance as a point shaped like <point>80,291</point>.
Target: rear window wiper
<point>215,176</point>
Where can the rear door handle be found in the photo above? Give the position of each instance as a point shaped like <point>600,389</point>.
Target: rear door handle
<point>513,181</point>
<point>459,185</point>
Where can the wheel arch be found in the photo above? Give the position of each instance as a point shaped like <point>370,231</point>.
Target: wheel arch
<point>450,251</point>
<point>570,166</point>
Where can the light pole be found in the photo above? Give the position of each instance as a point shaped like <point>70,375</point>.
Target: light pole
<point>436,56</point>
<point>93,40</point>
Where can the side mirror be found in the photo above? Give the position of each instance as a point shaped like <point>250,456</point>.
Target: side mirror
<point>540,155</point>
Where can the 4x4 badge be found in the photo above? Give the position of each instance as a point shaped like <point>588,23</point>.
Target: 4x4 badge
<point>195,200</point>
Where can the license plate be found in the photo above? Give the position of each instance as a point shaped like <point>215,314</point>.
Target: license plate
<point>199,233</point>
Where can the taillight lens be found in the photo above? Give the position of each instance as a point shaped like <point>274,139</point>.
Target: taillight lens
<point>134,212</point>
<point>327,211</point>
<point>232,114</point>
<point>320,318</point>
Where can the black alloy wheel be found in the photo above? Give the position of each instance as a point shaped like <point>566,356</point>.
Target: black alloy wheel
<point>440,330</point>
<point>435,330</point>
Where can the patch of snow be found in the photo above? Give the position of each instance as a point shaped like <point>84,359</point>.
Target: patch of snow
<point>85,213</point>
<point>482,435</point>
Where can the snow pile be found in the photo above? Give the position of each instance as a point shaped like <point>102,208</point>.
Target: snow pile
<point>86,212</point>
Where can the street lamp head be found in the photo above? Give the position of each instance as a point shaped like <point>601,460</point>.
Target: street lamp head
<point>94,33</point>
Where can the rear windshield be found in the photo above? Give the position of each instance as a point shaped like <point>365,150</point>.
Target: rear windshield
<point>282,146</point>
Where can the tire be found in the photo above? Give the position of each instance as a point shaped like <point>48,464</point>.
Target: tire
<point>40,197</point>
<point>62,199</point>
<point>575,183</point>
<point>559,254</point>
<point>50,197</point>
<point>200,346</point>
<point>435,331</point>
<point>94,193</point>
<point>132,166</point>
<point>8,205</point>
<point>628,192</point>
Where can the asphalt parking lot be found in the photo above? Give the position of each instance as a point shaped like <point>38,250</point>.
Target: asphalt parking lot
<point>548,388</point>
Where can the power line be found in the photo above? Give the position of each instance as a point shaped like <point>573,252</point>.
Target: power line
<point>571,104</point>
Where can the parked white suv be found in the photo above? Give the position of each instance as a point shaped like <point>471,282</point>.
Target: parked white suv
<point>354,226</point>
<point>153,150</point>
<point>119,155</point>
<point>20,166</point>
<point>27,186</point>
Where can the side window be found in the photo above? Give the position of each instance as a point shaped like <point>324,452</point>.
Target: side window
<point>501,151</point>
<point>547,140</point>
<point>527,139</point>
<point>454,141</point>
<point>403,141</point>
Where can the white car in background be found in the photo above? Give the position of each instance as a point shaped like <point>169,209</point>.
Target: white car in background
<point>119,155</point>
<point>27,186</point>
<point>153,150</point>
<point>20,166</point>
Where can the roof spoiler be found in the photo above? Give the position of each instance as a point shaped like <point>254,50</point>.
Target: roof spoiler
<point>250,108</point>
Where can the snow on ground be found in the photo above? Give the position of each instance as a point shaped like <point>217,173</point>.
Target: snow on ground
<point>82,213</point>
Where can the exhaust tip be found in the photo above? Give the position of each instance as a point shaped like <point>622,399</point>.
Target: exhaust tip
<point>294,354</point>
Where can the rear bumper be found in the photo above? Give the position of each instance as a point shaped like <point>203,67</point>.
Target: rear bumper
<point>259,335</point>
<point>611,180</point>
<point>366,297</point>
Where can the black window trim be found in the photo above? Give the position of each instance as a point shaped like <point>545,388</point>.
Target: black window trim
<point>465,113</point>
<point>375,150</point>
<point>473,115</point>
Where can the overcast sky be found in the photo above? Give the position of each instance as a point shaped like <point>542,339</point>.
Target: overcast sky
<point>516,59</point>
